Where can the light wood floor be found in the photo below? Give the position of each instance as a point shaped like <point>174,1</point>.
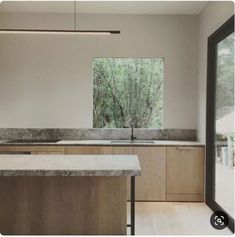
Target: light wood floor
<point>174,218</point>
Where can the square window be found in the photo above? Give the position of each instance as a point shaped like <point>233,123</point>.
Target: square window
<point>127,90</point>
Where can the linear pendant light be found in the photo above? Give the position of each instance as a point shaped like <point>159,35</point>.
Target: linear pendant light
<point>74,31</point>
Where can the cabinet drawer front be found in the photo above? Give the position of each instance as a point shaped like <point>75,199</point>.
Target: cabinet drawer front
<point>32,149</point>
<point>82,150</point>
<point>185,170</point>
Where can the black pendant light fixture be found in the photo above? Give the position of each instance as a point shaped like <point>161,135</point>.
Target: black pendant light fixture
<point>59,31</point>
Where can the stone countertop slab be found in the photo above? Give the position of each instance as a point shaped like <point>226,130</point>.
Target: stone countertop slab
<point>106,143</point>
<point>69,165</point>
<point>112,143</point>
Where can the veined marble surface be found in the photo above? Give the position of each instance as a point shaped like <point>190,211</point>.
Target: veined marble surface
<point>69,165</point>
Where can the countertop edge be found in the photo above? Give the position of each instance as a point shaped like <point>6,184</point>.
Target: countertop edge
<point>108,143</point>
<point>69,173</point>
<point>69,165</point>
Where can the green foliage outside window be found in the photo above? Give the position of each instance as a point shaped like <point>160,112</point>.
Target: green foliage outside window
<point>225,77</point>
<point>127,90</point>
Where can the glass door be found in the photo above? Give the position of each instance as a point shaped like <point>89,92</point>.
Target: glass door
<point>220,145</point>
<point>224,140</point>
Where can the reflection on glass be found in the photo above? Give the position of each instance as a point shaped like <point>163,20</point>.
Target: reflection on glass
<point>225,136</point>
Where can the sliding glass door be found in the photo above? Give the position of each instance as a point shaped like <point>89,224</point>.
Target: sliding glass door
<point>220,145</point>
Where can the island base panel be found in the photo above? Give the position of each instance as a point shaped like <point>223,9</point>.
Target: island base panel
<point>63,205</point>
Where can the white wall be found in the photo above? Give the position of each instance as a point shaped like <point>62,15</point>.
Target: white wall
<point>212,17</point>
<point>46,80</point>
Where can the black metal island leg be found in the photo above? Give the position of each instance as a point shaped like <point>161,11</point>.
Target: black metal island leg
<point>132,205</point>
<point>132,200</point>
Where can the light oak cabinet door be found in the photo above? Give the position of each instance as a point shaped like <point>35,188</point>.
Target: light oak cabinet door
<point>82,150</point>
<point>151,185</point>
<point>185,173</point>
<point>119,150</point>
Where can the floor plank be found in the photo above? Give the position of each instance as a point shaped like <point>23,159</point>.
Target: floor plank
<point>174,218</point>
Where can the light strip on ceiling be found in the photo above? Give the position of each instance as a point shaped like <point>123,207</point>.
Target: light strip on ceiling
<point>75,31</point>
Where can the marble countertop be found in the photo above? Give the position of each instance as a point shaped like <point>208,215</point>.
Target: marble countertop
<point>69,165</point>
<point>109,143</point>
<point>125,142</point>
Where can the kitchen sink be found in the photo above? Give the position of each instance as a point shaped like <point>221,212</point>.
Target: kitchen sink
<point>34,141</point>
<point>133,142</point>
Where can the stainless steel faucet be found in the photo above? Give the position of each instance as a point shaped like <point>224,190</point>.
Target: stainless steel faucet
<point>133,137</point>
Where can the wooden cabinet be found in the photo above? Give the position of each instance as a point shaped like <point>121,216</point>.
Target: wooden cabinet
<point>74,205</point>
<point>151,185</point>
<point>185,174</point>
<point>118,150</point>
<point>167,173</point>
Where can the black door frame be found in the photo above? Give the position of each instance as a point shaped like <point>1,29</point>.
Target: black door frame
<point>222,32</point>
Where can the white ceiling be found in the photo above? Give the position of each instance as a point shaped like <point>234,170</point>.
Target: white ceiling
<point>105,7</point>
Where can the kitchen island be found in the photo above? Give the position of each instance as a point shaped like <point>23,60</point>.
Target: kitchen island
<point>66,194</point>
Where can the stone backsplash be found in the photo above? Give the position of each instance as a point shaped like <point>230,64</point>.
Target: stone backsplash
<point>98,134</point>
